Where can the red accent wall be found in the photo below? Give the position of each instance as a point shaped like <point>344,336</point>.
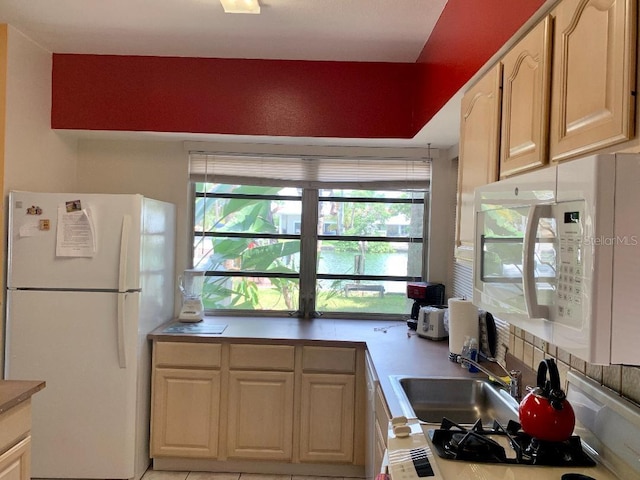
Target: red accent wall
<point>466,36</point>
<point>281,97</point>
<point>233,96</point>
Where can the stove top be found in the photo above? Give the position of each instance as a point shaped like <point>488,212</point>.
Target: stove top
<point>607,427</point>
<point>505,444</point>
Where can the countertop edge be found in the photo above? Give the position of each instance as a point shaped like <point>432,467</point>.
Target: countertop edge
<point>14,392</point>
<point>208,338</point>
<point>393,348</point>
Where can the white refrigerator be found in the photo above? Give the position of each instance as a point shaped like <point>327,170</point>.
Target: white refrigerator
<point>88,277</point>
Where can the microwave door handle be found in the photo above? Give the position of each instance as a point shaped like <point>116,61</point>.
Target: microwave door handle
<point>534,309</point>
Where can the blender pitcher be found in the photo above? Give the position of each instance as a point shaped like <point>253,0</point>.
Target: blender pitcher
<point>190,284</point>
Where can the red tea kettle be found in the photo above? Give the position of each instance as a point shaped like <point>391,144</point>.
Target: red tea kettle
<point>544,412</point>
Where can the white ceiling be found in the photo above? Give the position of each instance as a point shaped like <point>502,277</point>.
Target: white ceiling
<point>339,30</point>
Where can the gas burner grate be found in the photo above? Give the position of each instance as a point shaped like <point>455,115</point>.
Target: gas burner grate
<point>475,443</point>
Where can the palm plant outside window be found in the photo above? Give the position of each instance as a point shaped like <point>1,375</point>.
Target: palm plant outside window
<point>307,248</point>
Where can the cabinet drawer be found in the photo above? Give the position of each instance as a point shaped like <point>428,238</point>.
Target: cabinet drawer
<point>188,355</point>
<point>261,357</point>
<point>329,359</point>
<point>15,424</point>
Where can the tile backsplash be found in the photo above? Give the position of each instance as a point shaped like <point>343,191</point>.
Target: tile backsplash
<point>623,379</point>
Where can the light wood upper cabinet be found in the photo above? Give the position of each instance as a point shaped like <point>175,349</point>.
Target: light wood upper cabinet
<point>479,149</point>
<point>593,75</point>
<point>525,102</point>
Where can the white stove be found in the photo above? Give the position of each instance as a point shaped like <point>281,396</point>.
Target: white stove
<point>608,426</point>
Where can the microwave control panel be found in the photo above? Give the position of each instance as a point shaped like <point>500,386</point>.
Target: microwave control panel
<point>570,293</point>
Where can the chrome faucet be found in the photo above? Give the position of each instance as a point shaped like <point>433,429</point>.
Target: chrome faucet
<point>514,387</point>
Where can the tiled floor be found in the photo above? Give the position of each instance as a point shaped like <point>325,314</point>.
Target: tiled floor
<point>159,475</point>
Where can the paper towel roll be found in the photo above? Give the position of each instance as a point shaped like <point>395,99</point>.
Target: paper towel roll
<point>463,322</point>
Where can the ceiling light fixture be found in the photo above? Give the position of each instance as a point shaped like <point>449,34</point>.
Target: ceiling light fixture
<point>240,6</point>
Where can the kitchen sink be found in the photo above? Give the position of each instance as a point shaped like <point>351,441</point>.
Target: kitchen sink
<point>461,400</point>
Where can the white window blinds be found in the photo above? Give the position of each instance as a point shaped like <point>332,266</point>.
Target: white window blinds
<point>311,172</point>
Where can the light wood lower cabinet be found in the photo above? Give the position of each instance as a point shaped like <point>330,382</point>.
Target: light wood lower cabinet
<point>327,420</point>
<point>383,417</point>
<point>185,405</point>
<point>260,415</point>
<point>327,404</point>
<point>15,462</point>
<point>15,442</point>
<point>378,417</point>
<point>234,402</point>
<point>186,409</point>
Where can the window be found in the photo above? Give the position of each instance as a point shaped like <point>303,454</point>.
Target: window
<point>307,244</point>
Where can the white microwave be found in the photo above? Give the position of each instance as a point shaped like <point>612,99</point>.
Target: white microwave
<point>557,253</point>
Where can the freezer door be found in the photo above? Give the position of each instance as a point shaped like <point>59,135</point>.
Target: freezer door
<point>84,421</point>
<point>35,227</point>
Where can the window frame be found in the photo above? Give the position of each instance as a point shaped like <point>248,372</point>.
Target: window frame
<point>309,237</point>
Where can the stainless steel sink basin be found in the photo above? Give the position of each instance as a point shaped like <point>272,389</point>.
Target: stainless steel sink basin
<point>461,400</point>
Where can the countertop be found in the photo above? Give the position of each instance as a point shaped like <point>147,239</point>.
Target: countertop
<point>13,392</point>
<point>394,349</point>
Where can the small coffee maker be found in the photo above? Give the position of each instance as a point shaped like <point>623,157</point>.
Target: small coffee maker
<point>424,294</point>
<point>190,284</point>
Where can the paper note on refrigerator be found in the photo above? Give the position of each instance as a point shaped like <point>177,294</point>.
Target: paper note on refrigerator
<point>75,236</point>
<point>29,229</point>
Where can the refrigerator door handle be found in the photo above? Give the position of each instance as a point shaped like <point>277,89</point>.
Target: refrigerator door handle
<point>122,286</point>
<point>122,352</point>
<point>124,253</point>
